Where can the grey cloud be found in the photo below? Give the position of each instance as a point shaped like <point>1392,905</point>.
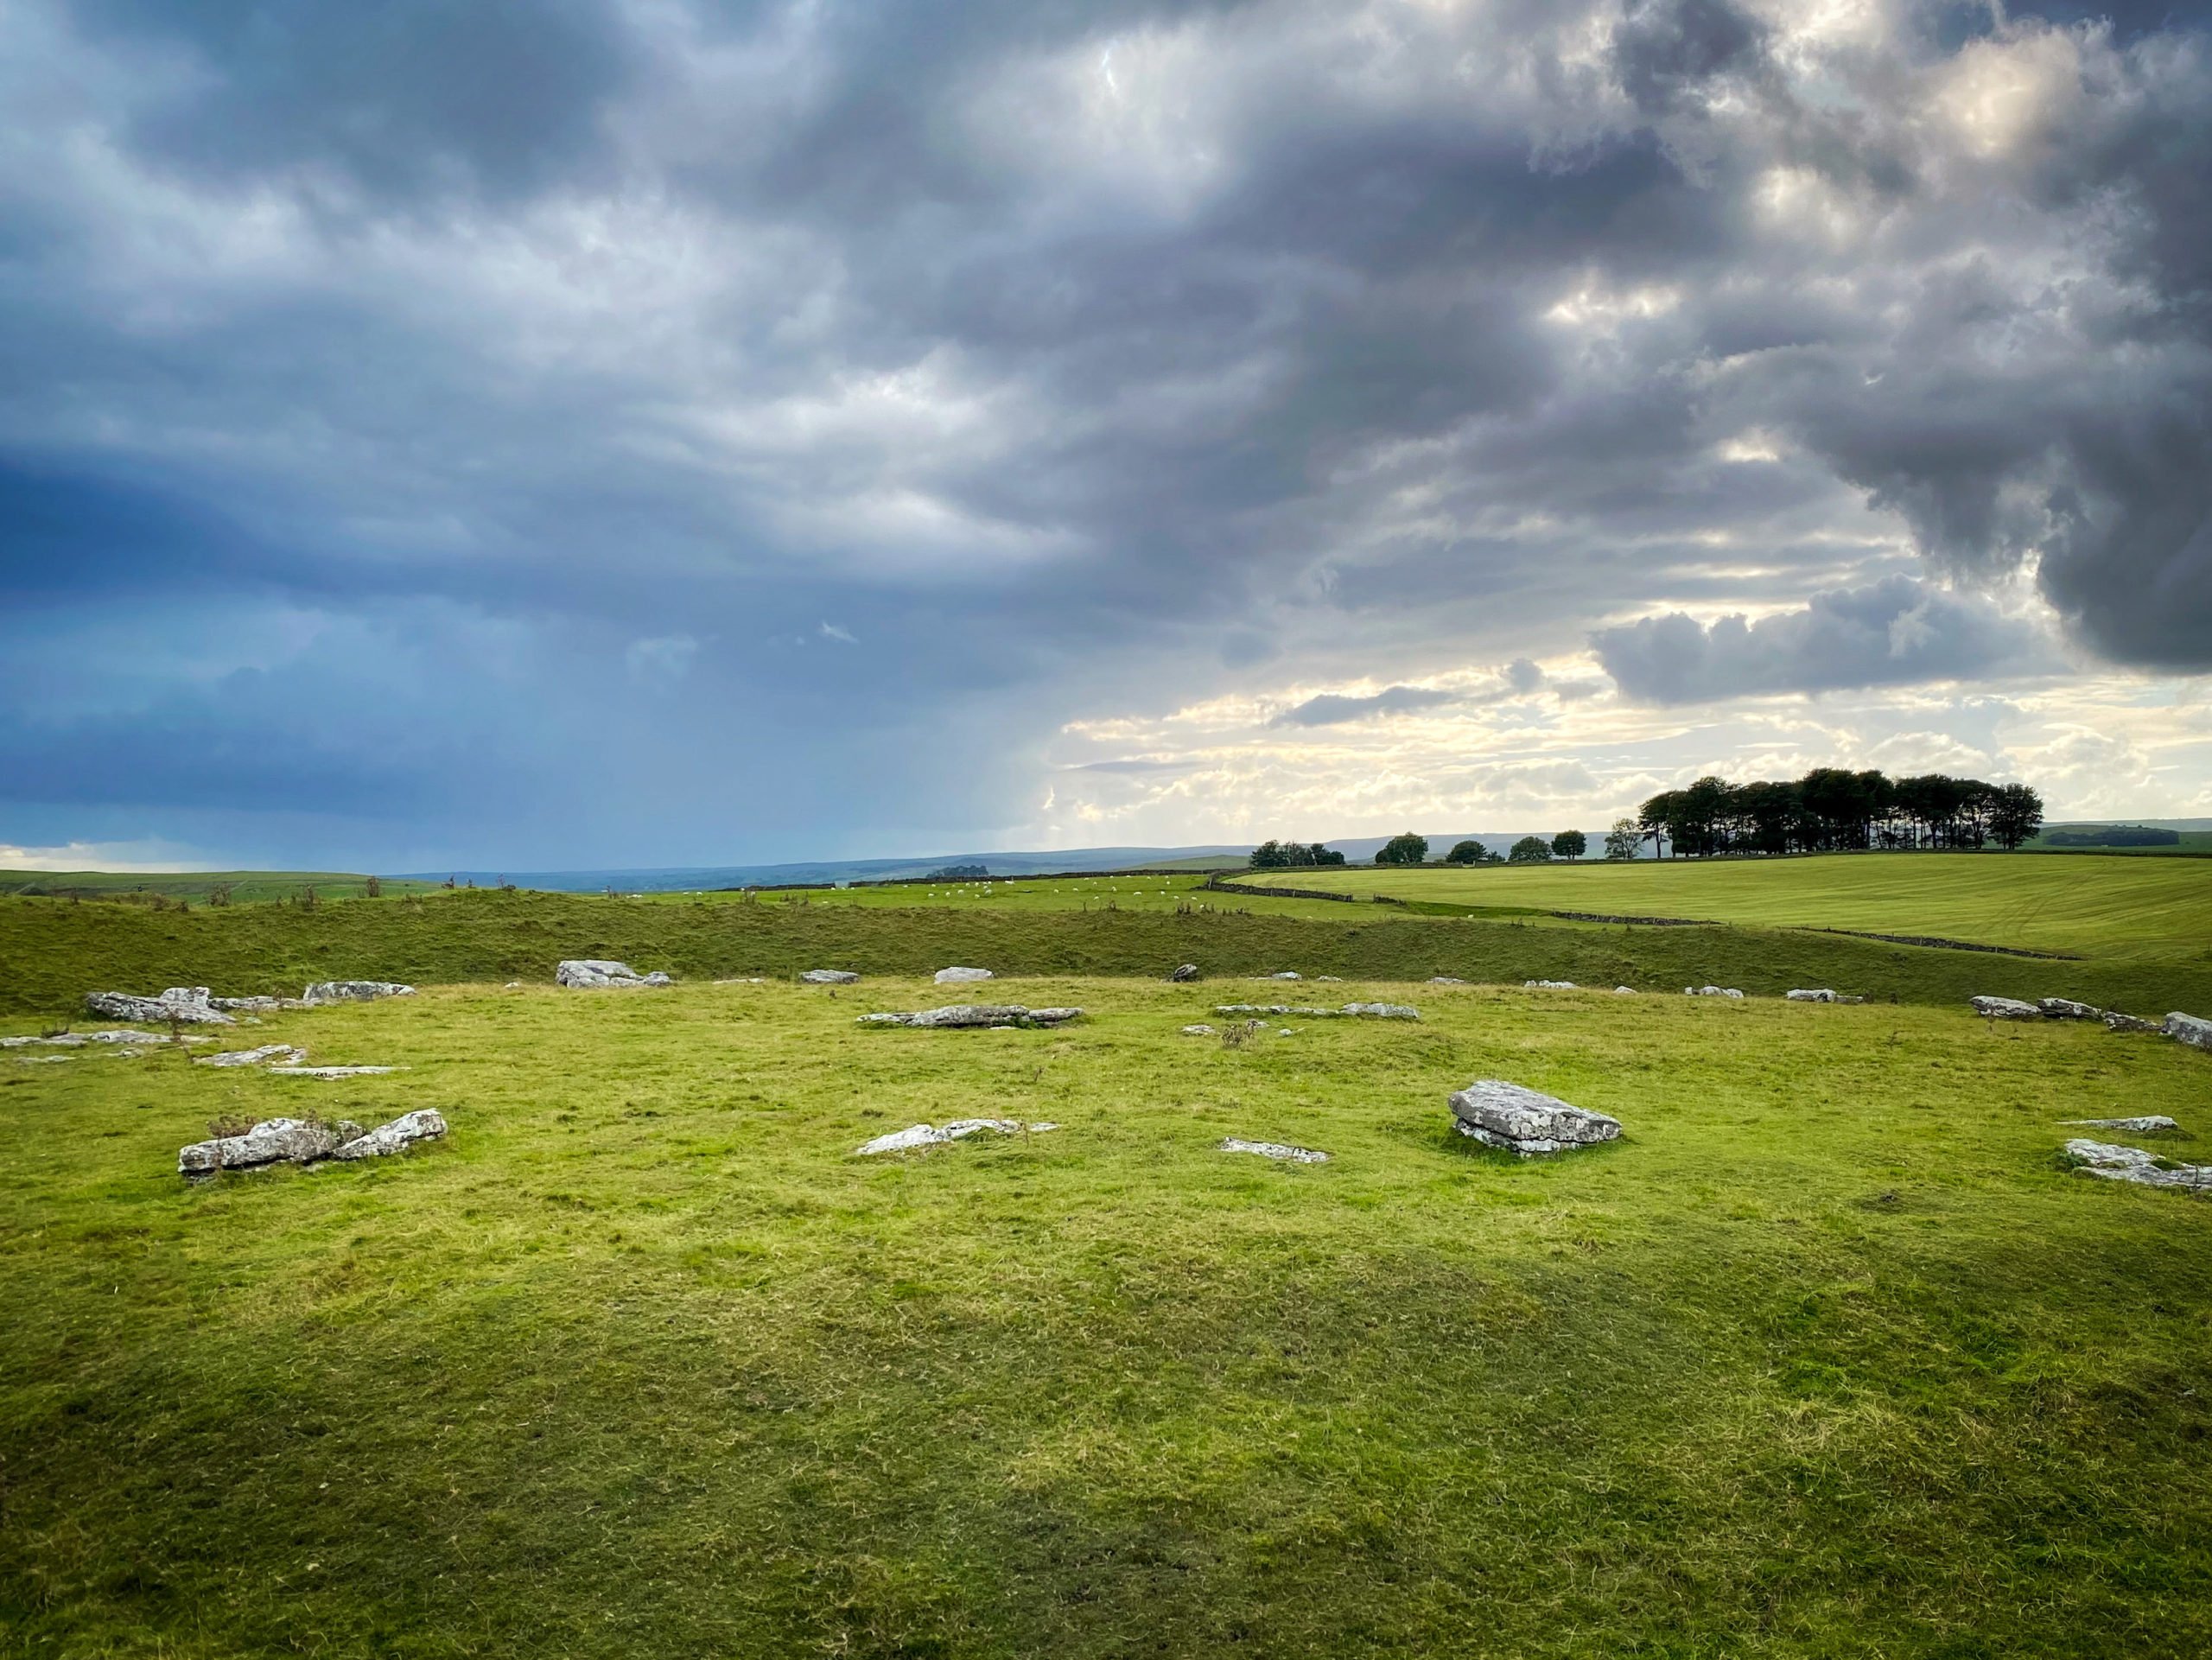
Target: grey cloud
<point>1894,632</point>
<point>1331,708</point>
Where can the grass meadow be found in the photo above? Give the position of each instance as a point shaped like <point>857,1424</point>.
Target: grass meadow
<point>2114,908</point>
<point>1826,1356</point>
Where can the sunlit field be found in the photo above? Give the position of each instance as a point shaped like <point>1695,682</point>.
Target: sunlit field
<point>2100,906</point>
<point>1827,1356</point>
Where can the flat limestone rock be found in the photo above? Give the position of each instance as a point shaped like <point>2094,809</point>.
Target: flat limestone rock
<point>2116,1021</point>
<point>292,1141</point>
<point>590,973</point>
<point>353,991</point>
<point>1185,971</point>
<point>1381,1011</point>
<point>1274,1150</point>
<point>1712,991</point>
<point>425,1123</point>
<point>2117,1163</point>
<point>1520,1119</point>
<point>1623,991</point>
<point>914,1135</point>
<point>2065,1008</point>
<point>1286,974</point>
<point>1445,980</point>
<point>826,978</point>
<point>267,1052</point>
<point>1821,995</point>
<point>2192,1029</point>
<point>1198,1031</point>
<point>1549,985</point>
<point>188,1004</point>
<point>1357,1011</point>
<point>971,1014</point>
<point>330,1072</point>
<point>2150,1124</point>
<point>956,975</point>
<point>2005,1009</point>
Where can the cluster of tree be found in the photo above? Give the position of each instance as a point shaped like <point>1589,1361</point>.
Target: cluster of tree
<point>1831,810</point>
<point>1407,850</point>
<point>960,872</point>
<point>1289,856</point>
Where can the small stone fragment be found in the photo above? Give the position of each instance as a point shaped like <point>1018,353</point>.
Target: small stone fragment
<point>1274,1150</point>
<point>1185,971</point>
<point>1199,1031</point>
<point>822,977</point>
<point>1623,991</point>
<point>2005,1009</point>
<point>2116,1021</point>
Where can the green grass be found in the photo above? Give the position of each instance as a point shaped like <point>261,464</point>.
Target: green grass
<point>1827,1356</point>
<point>245,886</point>
<point>56,951</point>
<point>2120,909</point>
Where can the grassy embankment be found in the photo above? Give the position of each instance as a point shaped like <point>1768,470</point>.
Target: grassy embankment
<point>1826,1358</point>
<point>56,951</point>
<point>2113,909</point>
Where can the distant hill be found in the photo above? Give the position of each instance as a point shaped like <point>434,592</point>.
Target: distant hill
<point>684,878</point>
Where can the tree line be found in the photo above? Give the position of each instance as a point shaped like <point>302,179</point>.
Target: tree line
<point>1830,810</point>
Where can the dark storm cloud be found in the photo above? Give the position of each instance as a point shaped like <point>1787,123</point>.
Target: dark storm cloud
<point>1061,353</point>
<point>1331,708</point>
<point>1894,632</point>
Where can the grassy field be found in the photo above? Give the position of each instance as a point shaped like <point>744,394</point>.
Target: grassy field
<point>2113,908</point>
<point>1827,1356</point>
<point>242,886</point>
<point>56,951</point>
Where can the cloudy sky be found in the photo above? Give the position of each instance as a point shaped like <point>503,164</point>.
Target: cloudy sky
<point>634,432</point>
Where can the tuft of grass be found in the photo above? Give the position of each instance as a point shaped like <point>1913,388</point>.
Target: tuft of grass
<point>1824,1358</point>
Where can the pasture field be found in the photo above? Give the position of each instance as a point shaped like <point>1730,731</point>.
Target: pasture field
<point>245,886</point>
<point>56,951</point>
<point>1826,1356</point>
<point>2120,909</point>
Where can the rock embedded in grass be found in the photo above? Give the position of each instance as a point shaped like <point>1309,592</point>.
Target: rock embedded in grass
<point>1282,1150</point>
<point>972,1014</point>
<point>188,1004</point>
<point>2150,1124</point>
<point>1381,1011</point>
<point>330,1072</point>
<point>2116,1021</point>
<point>1820,994</point>
<point>956,975</point>
<point>1361,1011</point>
<point>1286,974</point>
<point>2192,1029</point>
<point>274,1141</point>
<point>2006,1009</point>
<point>268,1052</point>
<point>1712,991</point>
<point>2115,1163</point>
<point>1445,980</point>
<point>353,991</point>
<point>2065,1008</point>
<point>1516,1119</point>
<point>1183,972</point>
<point>1549,985</point>
<point>425,1123</point>
<point>916,1135</point>
<point>825,978</point>
<point>1198,1031</point>
<point>590,973</point>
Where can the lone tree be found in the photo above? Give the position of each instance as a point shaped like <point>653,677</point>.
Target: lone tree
<point>1624,839</point>
<point>1407,850</point>
<point>1530,850</point>
<point>2015,815</point>
<point>1570,844</point>
<point>1467,853</point>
